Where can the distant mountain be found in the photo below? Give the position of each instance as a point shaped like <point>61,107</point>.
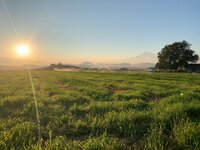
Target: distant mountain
<point>107,67</point>
<point>142,61</point>
<point>86,65</point>
<point>115,66</point>
<point>12,61</point>
<point>32,66</point>
<point>2,68</point>
<point>144,65</point>
<point>128,65</point>
<point>21,67</point>
<point>101,65</point>
<point>59,66</point>
<point>120,65</point>
<point>144,58</point>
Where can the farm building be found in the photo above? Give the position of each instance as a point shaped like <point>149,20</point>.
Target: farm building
<point>193,68</point>
<point>152,69</point>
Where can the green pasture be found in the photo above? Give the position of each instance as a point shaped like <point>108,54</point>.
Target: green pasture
<point>100,111</point>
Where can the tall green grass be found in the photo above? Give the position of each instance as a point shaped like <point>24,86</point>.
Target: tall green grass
<point>97,111</point>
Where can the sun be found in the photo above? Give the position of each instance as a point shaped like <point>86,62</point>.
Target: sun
<point>22,50</point>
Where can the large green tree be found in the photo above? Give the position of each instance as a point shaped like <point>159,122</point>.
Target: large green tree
<point>176,56</point>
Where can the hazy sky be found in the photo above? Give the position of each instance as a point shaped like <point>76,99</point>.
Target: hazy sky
<point>98,30</point>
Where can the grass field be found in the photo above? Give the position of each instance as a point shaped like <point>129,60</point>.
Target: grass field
<point>97,111</point>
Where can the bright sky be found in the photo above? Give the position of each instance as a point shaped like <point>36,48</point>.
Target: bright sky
<point>97,30</point>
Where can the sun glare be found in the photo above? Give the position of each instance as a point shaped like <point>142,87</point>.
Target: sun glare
<point>22,50</point>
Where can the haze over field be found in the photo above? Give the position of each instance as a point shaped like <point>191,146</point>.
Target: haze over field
<point>75,31</point>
